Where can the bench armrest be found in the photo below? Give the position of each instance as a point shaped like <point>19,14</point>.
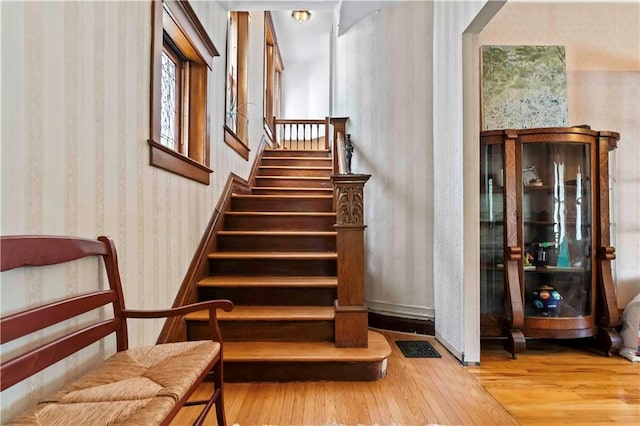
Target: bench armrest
<point>225,305</point>
<point>210,305</point>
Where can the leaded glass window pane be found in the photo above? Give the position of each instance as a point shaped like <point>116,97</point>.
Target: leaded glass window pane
<point>168,123</point>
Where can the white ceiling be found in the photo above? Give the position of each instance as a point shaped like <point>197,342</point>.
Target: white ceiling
<point>302,42</point>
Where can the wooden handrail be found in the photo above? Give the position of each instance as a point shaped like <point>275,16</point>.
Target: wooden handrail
<point>340,153</point>
<point>300,121</point>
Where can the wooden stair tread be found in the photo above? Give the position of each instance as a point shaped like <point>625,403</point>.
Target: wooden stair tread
<point>291,188</point>
<point>273,255</point>
<point>378,350</point>
<point>280,233</point>
<point>297,151</point>
<point>294,177</point>
<point>293,158</point>
<point>298,167</point>
<point>269,313</point>
<point>239,213</point>
<point>282,197</point>
<point>269,281</point>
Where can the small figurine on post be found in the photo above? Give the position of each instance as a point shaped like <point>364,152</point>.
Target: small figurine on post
<point>348,153</point>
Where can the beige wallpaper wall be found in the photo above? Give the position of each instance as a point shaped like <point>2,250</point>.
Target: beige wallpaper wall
<point>602,45</point>
<point>383,84</point>
<point>75,161</point>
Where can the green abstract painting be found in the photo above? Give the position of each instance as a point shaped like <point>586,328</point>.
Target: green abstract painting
<point>524,87</point>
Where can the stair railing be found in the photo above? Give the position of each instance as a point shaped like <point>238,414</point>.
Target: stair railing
<point>351,317</point>
<point>302,134</point>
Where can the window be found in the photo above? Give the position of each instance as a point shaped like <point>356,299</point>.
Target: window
<point>273,68</point>
<point>236,115</point>
<point>182,55</point>
<point>170,100</point>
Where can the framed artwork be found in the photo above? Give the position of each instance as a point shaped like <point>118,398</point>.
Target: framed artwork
<point>524,87</point>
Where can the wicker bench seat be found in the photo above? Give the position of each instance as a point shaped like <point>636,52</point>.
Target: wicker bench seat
<point>137,386</point>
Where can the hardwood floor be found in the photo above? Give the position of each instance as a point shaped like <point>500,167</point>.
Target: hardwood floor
<point>552,383</point>
<point>549,384</point>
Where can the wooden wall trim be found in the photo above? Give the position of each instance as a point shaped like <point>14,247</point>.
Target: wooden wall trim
<point>407,325</point>
<point>172,161</point>
<point>231,139</point>
<point>256,164</point>
<point>174,329</point>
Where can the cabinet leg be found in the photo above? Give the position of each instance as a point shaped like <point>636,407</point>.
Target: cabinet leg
<point>515,343</point>
<point>607,341</point>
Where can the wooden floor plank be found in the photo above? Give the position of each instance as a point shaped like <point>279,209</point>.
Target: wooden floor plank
<point>580,388</point>
<point>557,384</point>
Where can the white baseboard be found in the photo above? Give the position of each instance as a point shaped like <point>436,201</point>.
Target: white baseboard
<point>400,310</point>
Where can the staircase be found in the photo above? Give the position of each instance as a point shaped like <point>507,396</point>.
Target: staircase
<point>276,259</point>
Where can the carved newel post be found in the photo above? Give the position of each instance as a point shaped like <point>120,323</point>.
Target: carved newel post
<point>351,323</point>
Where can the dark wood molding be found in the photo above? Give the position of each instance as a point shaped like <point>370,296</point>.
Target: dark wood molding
<point>185,17</point>
<point>407,325</point>
<point>256,163</point>
<point>231,139</point>
<point>174,329</point>
<point>172,161</point>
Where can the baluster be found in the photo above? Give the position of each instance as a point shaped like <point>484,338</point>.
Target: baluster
<point>288,127</point>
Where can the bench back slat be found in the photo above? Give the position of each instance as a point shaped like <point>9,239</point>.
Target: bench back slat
<point>22,323</point>
<point>38,250</point>
<point>26,365</point>
<point>46,250</point>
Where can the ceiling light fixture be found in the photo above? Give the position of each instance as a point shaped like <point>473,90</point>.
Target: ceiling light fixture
<point>301,15</point>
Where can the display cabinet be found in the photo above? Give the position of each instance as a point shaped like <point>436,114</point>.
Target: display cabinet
<point>545,248</point>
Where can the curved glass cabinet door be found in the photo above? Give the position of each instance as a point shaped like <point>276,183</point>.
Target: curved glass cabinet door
<point>557,220</point>
<point>492,301</point>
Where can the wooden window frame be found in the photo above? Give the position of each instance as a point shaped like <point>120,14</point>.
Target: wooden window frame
<point>175,21</point>
<point>238,140</point>
<point>273,67</point>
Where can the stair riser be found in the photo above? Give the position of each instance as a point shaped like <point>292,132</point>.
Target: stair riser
<point>293,191</point>
<point>297,162</point>
<point>266,296</point>
<point>281,171</point>
<point>256,204</point>
<point>293,182</point>
<point>303,371</point>
<point>269,331</point>
<point>272,267</point>
<point>295,153</point>
<point>279,223</point>
<point>275,243</point>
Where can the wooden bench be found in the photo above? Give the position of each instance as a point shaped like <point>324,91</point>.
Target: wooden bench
<point>138,386</point>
